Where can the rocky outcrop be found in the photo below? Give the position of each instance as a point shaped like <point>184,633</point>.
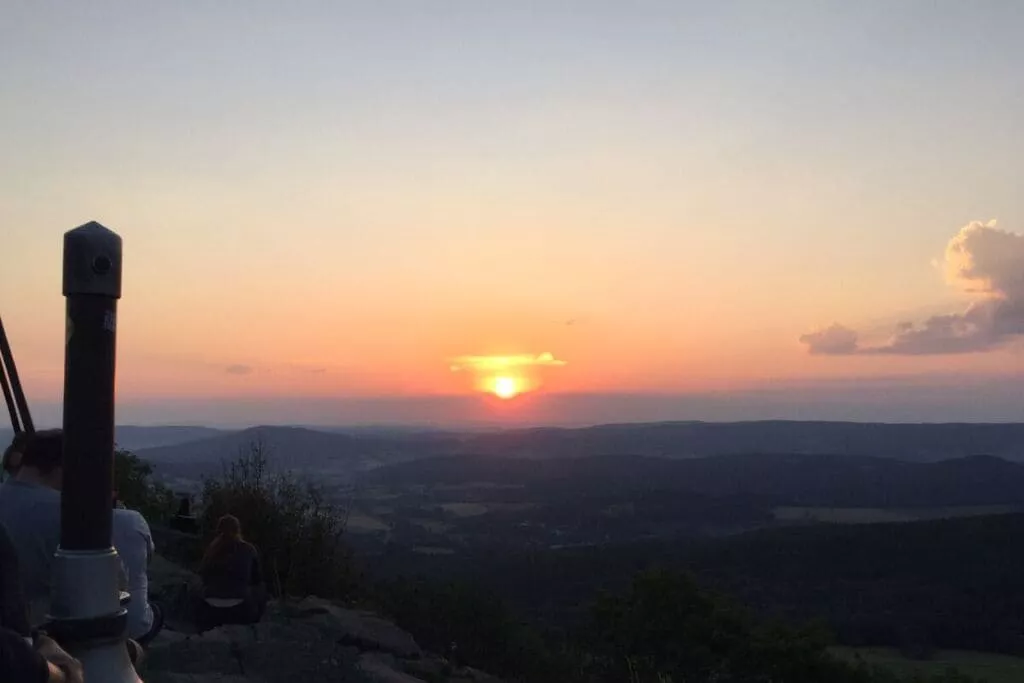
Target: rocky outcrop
<point>308,640</point>
<point>363,630</point>
<point>380,669</point>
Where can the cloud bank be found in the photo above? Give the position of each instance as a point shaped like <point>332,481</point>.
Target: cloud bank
<point>981,259</point>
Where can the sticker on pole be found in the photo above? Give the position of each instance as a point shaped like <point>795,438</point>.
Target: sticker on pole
<point>110,321</point>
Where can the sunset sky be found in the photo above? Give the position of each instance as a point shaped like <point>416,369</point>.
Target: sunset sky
<point>339,211</point>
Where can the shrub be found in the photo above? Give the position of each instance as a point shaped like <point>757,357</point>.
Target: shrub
<point>669,628</point>
<point>297,530</point>
<point>481,628</point>
<point>135,488</point>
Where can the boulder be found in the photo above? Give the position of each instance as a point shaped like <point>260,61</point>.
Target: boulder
<point>357,628</point>
<point>470,675</point>
<point>428,668</point>
<point>312,640</point>
<point>163,574</point>
<point>380,670</point>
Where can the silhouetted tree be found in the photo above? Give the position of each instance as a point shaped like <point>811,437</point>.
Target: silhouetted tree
<point>297,530</point>
<point>135,487</point>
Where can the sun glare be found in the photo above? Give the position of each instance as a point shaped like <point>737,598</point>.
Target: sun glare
<point>505,387</point>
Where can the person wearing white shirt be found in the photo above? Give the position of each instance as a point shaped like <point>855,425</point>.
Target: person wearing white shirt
<point>134,544</point>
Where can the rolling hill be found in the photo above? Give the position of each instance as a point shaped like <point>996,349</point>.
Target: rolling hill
<point>332,456</point>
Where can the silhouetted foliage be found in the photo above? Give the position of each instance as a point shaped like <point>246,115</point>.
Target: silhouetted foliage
<point>666,628</point>
<point>297,530</point>
<point>136,488</point>
<point>943,584</point>
<point>474,628</point>
<point>663,629</point>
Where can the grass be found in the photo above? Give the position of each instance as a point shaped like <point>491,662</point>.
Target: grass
<point>984,666</point>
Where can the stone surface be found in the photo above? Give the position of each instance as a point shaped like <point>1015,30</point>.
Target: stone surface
<point>378,670</point>
<point>428,668</point>
<point>360,629</point>
<point>310,640</point>
<point>470,675</point>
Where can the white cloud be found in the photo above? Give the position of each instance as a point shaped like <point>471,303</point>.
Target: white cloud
<point>981,259</point>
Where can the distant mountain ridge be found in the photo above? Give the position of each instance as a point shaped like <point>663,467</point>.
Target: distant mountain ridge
<point>331,456</point>
<point>912,442</point>
<point>134,437</point>
<point>356,449</point>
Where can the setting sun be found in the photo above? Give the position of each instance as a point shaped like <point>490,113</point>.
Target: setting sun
<point>505,387</point>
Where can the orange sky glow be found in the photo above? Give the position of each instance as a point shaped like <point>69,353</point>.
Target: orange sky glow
<point>345,202</point>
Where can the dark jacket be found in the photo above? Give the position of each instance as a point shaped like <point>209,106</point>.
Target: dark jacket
<point>233,573</point>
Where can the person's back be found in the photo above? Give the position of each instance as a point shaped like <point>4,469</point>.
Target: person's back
<point>233,572</point>
<point>233,590</point>
<point>31,513</point>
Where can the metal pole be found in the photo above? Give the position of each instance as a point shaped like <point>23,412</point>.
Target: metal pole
<point>7,358</point>
<point>87,616</point>
<point>5,386</point>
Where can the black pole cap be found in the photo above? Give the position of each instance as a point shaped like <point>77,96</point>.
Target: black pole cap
<point>92,261</point>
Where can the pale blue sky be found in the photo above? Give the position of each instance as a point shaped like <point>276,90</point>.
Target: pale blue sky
<point>378,186</point>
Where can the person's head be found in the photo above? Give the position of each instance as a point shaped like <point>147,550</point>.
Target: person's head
<point>229,533</point>
<point>12,455</point>
<point>228,527</point>
<point>37,457</point>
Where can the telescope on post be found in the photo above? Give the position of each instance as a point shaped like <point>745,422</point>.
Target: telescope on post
<point>88,617</point>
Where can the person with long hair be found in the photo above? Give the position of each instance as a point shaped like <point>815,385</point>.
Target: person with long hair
<point>233,589</point>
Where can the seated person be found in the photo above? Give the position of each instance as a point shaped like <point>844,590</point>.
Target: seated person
<point>233,590</point>
<point>134,544</point>
<point>30,509</point>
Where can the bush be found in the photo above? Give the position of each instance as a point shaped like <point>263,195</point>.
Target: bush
<point>297,530</point>
<point>135,488</point>
<point>483,631</point>
<point>667,628</point>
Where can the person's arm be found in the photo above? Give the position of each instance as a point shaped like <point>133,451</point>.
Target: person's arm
<point>62,667</point>
<point>19,662</point>
<point>150,545</point>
